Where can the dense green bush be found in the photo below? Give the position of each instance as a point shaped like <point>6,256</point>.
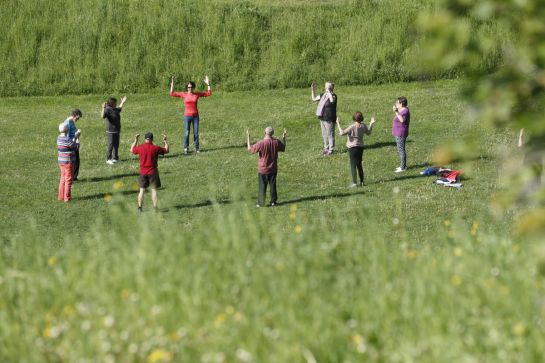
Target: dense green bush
<point>98,46</point>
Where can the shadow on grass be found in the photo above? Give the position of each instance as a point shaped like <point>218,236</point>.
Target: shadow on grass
<point>227,147</point>
<point>110,177</point>
<point>103,195</point>
<point>320,197</point>
<point>206,203</point>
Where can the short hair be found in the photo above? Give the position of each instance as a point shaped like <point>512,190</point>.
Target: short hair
<point>403,101</point>
<point>190,83</point>
<point>269,130</point>
<point>331,83</point>
<point>148,136</point>
<point>63,127</point>
<point>112,101</point>
<point>76,112</point>
<point>357,116</point>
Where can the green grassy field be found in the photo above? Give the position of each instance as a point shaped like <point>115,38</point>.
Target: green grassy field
<point>400,270</point>
<point>69,47</point>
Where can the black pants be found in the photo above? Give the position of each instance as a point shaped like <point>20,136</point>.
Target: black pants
<point>113,146</point>
<point>356,154</point>
<point>76,165</point>
<point>263,180</point>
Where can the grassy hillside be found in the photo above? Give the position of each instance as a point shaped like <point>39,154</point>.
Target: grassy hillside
<point>99,46</point>
<point>400,270</point>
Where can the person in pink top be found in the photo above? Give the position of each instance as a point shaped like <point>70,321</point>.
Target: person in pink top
<point>354,143</point>
<point>191,113</point>
<point>267,166</point>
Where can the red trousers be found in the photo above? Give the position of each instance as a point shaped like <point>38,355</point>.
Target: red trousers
<point>65,184</point>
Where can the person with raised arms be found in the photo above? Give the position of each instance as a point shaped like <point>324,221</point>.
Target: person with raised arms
<point>354,143</point>
<point>267,166</point>
<point>191,112</point>
<point>327,114</point>
<point>149,172</point>
<point>112,119</point>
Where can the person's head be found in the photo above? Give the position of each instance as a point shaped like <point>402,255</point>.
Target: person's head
<point>190,86</point>
<point>402,101</point>
<point>112,101</point>
<point>63,128</point>
<point>329,86</point>
<point>148,137</point>
<point>358,117</point>
<point>76,114</point>
<point>269,131</point>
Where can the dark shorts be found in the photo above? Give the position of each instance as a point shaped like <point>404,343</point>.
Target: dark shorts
<point>152,179</point>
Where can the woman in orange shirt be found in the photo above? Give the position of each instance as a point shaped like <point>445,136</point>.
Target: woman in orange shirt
<point>191,114</point>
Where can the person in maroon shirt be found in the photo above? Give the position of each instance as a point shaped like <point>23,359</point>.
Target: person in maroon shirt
<point>149,173</point>
<point>191,113</point>
<point>267,166</point>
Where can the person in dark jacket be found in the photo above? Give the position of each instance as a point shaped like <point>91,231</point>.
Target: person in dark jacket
<point>112,119</point>
<point>327,114</point>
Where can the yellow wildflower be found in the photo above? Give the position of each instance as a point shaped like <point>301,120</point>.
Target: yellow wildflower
<point>220,319</point>
<point>52,261</point>
<point>108,197</point>
<point>446,223</point>
<point>298,229</point>
<point>451,234</point>
<point>411,254</point>
<point>359,343</point>
<point>135,186</point>
<point>519,329</point>
<point>118,185</point>
<point>474,228</point>
<point>456,280</point>
<point>69,310</point>
<point>458,252</point>
<point>504,290</point>
<point>159,355</point>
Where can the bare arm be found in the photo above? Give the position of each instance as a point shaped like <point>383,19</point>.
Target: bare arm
<point>103,108</point>
<point>172,84</point>
<point>248,140</point>
<point>398,115</point>
<point>135,142</point>
<point>313,95</point>
<point>207,82</point>
<point>370,128</point>
<point>284,137</point>
<point>123,100</point>
<point>339,127</point>
<point>521,138</point>
<point>166,143</point>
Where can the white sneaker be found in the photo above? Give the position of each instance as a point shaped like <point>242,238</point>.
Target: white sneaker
<point>399,170</point>
<point>185,151</point>
<point>116,161</point>
<point>110,162</point>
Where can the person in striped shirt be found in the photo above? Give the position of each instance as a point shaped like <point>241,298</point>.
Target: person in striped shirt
<point>66,147</point>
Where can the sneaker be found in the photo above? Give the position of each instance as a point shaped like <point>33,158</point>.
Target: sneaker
<point>116,160</point>
<point>361,185</point>
<point>328,152</point>
<point>399,170</point>
<point>110,162</point>
<point>197,152</point>
<point>353,185</point>
<point>185,151</point>
<point>258,205</point>
<point>325,152</point>
<point>272,205</point>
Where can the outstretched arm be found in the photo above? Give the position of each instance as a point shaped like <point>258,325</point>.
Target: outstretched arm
<point>339,127</point>
<point>103,108</point>
<point>248,140</point>
<point>370,128</point>
<point>166,143</point>
<point>284,137</point>
<point>123,100</point>
<point>313,95</point>
<point>172,84</point>
<point>135,142</point>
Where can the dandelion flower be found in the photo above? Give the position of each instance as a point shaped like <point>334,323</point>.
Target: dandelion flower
<point>298,229</point>
<point>446,223</point>
<point>458,252</point>
<point>519,329</point>
<point>159,355</point>
<point>108,197</point>
<point>52,261</point>
<point>456,280</point>
<point>118,185</point>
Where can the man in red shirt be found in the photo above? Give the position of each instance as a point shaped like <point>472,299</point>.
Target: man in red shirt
<point>149,174</point>
<point>268,149</point>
